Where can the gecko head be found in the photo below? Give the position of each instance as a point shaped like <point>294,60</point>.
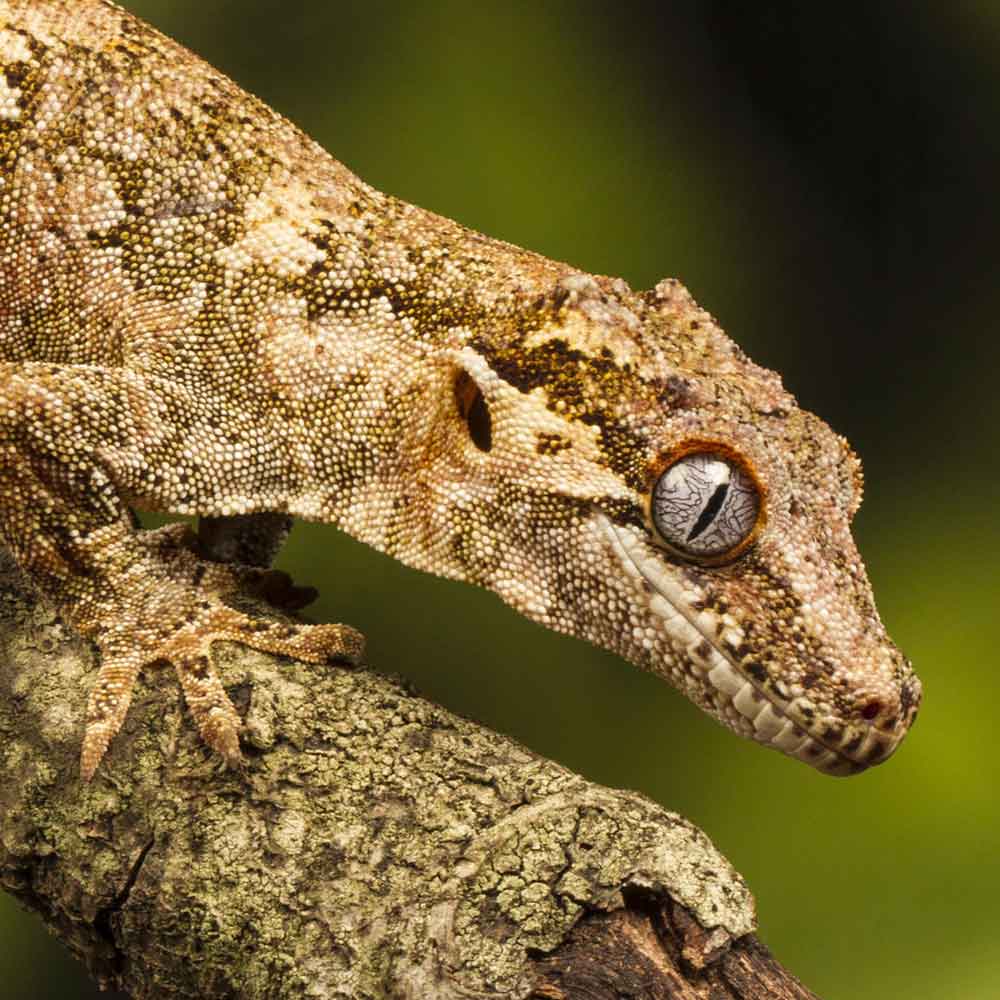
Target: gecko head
<point>630,477</point>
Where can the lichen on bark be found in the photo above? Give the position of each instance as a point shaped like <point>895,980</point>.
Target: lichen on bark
<point>373,844</point>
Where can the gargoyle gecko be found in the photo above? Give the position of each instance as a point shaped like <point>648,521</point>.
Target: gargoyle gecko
<point>203,313</point>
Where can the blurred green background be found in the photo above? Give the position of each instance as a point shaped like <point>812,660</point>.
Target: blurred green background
<point>820,177</point>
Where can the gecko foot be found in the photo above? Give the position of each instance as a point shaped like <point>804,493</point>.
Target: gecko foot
<point>189,652</point>
<point>177,620</point>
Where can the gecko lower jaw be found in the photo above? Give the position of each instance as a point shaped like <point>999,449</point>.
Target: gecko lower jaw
<point>756,713</point>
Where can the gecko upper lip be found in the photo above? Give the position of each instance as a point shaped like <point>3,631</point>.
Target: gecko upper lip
<point>771,718</point>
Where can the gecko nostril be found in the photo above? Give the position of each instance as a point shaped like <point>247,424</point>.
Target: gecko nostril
<point>871,709</point>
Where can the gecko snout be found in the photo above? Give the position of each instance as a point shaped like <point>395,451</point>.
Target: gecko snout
<point>881,723</point>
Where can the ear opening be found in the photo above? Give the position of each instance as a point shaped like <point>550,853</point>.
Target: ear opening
<point>473,410</point>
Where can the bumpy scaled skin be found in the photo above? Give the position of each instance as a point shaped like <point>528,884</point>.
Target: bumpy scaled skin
<point>201,312</point>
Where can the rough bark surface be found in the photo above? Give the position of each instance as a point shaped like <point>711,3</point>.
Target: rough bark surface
<point>374,845</point>
<point>653,949</point>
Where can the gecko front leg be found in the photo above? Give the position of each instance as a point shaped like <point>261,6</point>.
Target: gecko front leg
<point>64,437</point>
<point>247,539</point>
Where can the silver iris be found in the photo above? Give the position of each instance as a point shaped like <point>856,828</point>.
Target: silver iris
<point>705,505</point>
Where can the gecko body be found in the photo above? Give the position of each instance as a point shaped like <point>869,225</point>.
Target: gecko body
<point>203,313</point>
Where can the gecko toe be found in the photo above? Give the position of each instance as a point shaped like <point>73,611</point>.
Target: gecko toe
<point>107,707</point>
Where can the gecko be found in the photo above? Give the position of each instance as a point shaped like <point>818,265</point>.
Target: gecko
<point>203,313</point>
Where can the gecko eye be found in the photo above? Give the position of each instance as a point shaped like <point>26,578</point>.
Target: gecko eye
<point>706,506</point>
<point>473,410</point>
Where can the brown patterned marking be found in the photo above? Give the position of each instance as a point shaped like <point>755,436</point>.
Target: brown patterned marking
<point>569,376</point>
<point>677,393</point>
<point>833,735</point>
<point>877,752</point>
<point>548,443</point>
<point>198,667</point>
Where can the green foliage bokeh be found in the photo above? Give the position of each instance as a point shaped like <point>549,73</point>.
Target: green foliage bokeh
<point>817,185</point>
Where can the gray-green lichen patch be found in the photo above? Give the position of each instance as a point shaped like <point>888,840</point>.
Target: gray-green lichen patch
<point>372,845</point>
<point>578,848</point>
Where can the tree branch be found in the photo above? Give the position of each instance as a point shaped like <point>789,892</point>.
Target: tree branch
<point>374,845</point>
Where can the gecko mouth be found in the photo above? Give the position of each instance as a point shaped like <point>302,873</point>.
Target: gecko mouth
<point>746,707</point>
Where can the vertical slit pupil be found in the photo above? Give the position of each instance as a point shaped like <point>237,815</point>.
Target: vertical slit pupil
<point>474,411</point>
<point>711,509</point>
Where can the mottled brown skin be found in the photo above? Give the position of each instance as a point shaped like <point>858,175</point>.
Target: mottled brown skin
<point>201,312</point>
